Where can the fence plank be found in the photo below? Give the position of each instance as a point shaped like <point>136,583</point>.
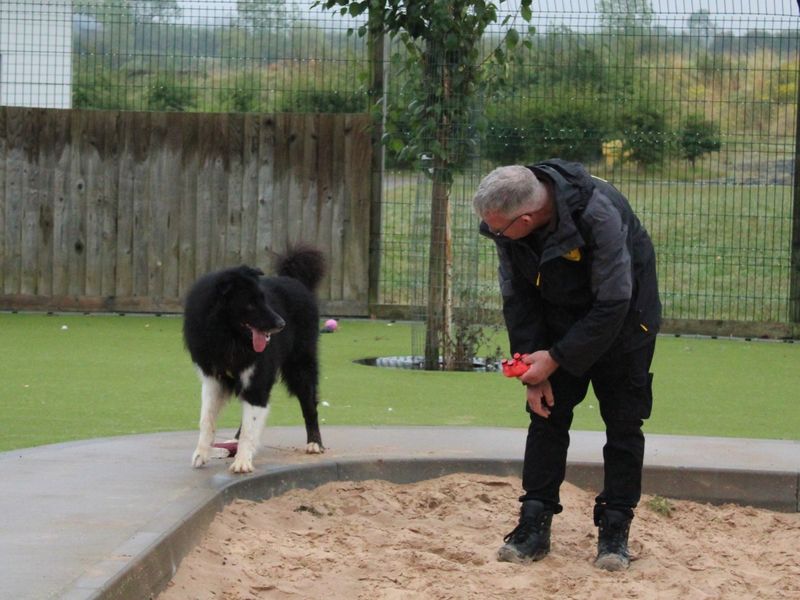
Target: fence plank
<point>53,143</point>
<point>14,197</point>
<point>163,189</point>
<point>95,174</point>
<point>77,203</point>
<point>325,185</point>
<point>142,233</point>
<point>234,174</point>
<point>62,147</point>
<point>297,177</point>
<point>309,227</point>
<point>43,228</point>
<point>357,229</point>
<point>31,195</point>
<point>182,142</point>
<point>110,166</point>
<point>170,201</point>
<point>266,190</point>
<point>122,211</point>
<point>220,165</point>
<point>282,173</point>
<point>203,227</point>
<point>126,196</point>
<point>250,139</point>
<point>339,191</point>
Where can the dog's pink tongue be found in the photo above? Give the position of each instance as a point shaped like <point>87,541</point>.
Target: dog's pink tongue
<point>260,340</point>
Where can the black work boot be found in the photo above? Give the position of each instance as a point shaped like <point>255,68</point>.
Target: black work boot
<point>612,540</point>
<point>530,540</point>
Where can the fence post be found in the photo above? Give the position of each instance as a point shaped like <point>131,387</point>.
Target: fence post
<point>794,269</point>
<point>377,108</point>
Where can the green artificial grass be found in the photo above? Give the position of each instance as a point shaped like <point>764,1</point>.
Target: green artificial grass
<point>68,377</point>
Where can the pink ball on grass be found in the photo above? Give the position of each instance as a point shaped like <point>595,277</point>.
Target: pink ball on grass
<point>331,325</point>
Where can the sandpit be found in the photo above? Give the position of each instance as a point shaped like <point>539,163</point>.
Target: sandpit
<point>437,539</point>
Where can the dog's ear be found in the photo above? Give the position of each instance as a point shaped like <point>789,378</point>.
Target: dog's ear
<point>225,285</point>
<point>249,271</point>
<point>255,272</point>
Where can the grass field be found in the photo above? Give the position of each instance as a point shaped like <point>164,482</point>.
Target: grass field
<point>68,377</point>
<point>724,251</point>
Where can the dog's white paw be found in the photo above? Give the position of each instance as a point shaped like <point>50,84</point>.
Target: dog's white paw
<point>241,464</point>
<point>219,453</point>
<point>200,457</point>
<point>314,448</point>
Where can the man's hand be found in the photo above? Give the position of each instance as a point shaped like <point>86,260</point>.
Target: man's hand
<point>541,367</point>
<point>540,398</point>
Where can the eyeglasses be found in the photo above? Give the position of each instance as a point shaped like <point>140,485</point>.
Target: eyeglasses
<point>500,232</point>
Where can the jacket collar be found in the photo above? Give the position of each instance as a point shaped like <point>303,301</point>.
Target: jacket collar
<point>571,187</point>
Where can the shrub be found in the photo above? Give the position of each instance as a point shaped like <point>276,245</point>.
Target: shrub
<point>507,136</point>
<point>698,137</point>
<point>645,133</point>
<point>168,95</point>
<point>325,101</point>
<point>544,131</point>
<point>240,99</point>
<point>97,88</point>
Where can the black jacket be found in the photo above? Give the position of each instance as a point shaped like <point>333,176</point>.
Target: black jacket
<point>586,284</point>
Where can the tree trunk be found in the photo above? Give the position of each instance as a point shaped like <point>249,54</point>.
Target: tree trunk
<point>440,276</point>
<point>439,333</point>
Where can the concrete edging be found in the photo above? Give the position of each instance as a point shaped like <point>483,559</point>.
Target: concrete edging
<point>153,562</point>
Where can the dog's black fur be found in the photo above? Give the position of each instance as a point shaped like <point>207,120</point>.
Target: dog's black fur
<point>230,313</point>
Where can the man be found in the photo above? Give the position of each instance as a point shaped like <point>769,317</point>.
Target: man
<point>580,298</point>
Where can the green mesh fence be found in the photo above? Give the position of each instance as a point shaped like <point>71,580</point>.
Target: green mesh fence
<point>691,114</point>
<point>688,106</point>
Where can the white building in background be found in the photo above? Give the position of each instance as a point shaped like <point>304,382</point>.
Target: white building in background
<point>36,53</point>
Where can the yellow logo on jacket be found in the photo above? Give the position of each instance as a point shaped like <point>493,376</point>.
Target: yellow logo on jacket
<point>573,255</point>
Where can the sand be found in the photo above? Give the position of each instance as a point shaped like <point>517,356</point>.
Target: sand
<point>437,539</point>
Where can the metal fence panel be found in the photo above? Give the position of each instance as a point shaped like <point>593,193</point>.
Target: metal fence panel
<point>689,107</point>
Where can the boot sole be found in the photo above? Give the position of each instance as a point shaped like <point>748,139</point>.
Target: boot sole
<point>506,554</point>
<point>612,562</point>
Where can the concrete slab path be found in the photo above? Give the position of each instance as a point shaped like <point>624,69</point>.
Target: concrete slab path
<point>112,518</point>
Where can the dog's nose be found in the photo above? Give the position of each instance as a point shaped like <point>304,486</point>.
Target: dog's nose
<point>279,324</point>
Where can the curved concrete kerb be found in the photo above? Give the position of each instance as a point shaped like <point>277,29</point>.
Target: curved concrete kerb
<point>113,518</point>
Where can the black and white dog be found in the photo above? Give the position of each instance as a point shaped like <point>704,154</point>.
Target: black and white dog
<point>242,330</point>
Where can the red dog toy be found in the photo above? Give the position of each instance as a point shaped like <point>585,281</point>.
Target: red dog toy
<point>231,447</point>
<point>514,367</point>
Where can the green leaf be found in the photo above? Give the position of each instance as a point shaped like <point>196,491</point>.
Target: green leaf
<point>512,38</point>
<point>451,43</point>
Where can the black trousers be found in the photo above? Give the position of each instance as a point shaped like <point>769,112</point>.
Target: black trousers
<point>622,383</point>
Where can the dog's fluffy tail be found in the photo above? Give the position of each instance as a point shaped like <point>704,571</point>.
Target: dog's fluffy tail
<point>304,263</point>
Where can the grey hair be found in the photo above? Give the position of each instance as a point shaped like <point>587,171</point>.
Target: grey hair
<point>507,189</point>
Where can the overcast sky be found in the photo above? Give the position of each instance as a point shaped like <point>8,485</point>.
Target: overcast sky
<point>779,14</point>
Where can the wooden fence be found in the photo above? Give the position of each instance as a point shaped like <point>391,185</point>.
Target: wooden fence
<point>122,211</point>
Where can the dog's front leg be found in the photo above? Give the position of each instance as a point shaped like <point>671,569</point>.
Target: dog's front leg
<point>253,421</point>
<point>212,399</point>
